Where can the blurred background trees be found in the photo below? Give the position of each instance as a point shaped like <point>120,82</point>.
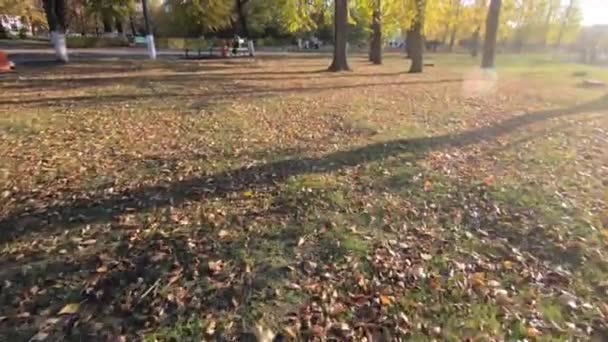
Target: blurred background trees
<point>448,25</point>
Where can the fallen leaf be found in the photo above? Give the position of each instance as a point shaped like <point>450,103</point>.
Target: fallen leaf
<point>478,279</point>
<point>425,256</point>
<point>488,181</point>
<point>289,332</point>
<point>301,241</point>
<point>428,185</point>
<point>493,283</point>
<point>70,309</point>
<point>263,334</point>
<point>532,332</point>
<point>385,300</point>
<point>210,329</point>
<point>223,234</point>
<point>294,286</point>
<point>215,266</point>
<point>40,336</point>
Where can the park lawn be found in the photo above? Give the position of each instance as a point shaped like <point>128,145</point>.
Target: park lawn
<point>218,200</point>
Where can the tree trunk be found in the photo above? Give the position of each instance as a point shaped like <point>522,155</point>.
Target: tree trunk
<point>416,41</point>
<point>548,24</point>
<point>452,39</point>
<point>55,14</point>
<point>132,24</point>
<point>475,43</point>
<point>453,33</point>
<point>2,31</point>
<point>106,18</point>
<point>408,44</point>
<point>376,45</point>
<point>489,46</point>
<point>340,62</point>
<point>240,9</point>
<point>562,27</point>
<point>119,28</point>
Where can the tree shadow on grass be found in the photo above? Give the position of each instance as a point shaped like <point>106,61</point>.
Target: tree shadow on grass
<point>150,277</point>
<point>81,209</point>
<point>240,90</point>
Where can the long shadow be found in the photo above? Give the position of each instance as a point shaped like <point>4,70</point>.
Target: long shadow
<point>34,84</point>
<point>239,90</point>
<point>81,209</point>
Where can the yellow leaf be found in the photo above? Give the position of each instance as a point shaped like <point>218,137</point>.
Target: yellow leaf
<point>70,309</point>
<point>507,264</point>
<point>605,234</point>
<point>248,193</point>
<point>478,279</point>
<point>385,300</point>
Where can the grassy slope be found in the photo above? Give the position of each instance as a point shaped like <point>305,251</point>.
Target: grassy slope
<point>193,199</point>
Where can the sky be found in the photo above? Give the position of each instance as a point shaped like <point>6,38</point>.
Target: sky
<point>595,12</point>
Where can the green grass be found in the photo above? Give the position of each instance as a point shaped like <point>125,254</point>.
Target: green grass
<point>359,197</point>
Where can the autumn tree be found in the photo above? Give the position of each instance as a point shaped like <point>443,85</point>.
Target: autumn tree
<point>415,37</point>
<point>570,15</point>
<point>340,62</point>
<point>489,47</point>
<point>241,14</point>
<point>29,11</point>
<point>376,43</point>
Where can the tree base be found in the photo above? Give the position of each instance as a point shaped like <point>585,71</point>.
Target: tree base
<point>338,68</point>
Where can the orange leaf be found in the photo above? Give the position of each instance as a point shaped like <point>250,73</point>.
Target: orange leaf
<point>385,300</point>
<point>428,185</point>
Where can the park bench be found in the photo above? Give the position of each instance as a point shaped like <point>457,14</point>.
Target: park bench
<point>198,45</point>
<point>221,49</point>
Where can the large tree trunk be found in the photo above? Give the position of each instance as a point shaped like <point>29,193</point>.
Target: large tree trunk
<point>452,39</point>
<point>106,18</point>
<point>240,9</point>
<point>119,28</point>
<point>55,15</point>
<point>340,62</point>
<point>415,39</point>
<point>489,46</point>
<point>376,44</point>
<point>132,24</point>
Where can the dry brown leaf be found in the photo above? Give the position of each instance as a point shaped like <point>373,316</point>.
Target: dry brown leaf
<point>428,185</point>
<point>215,266</point>
<point>532,332</point>
<point>263,334</point>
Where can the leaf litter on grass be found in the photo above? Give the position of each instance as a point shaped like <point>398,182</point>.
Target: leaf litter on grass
<point>486,237</point>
